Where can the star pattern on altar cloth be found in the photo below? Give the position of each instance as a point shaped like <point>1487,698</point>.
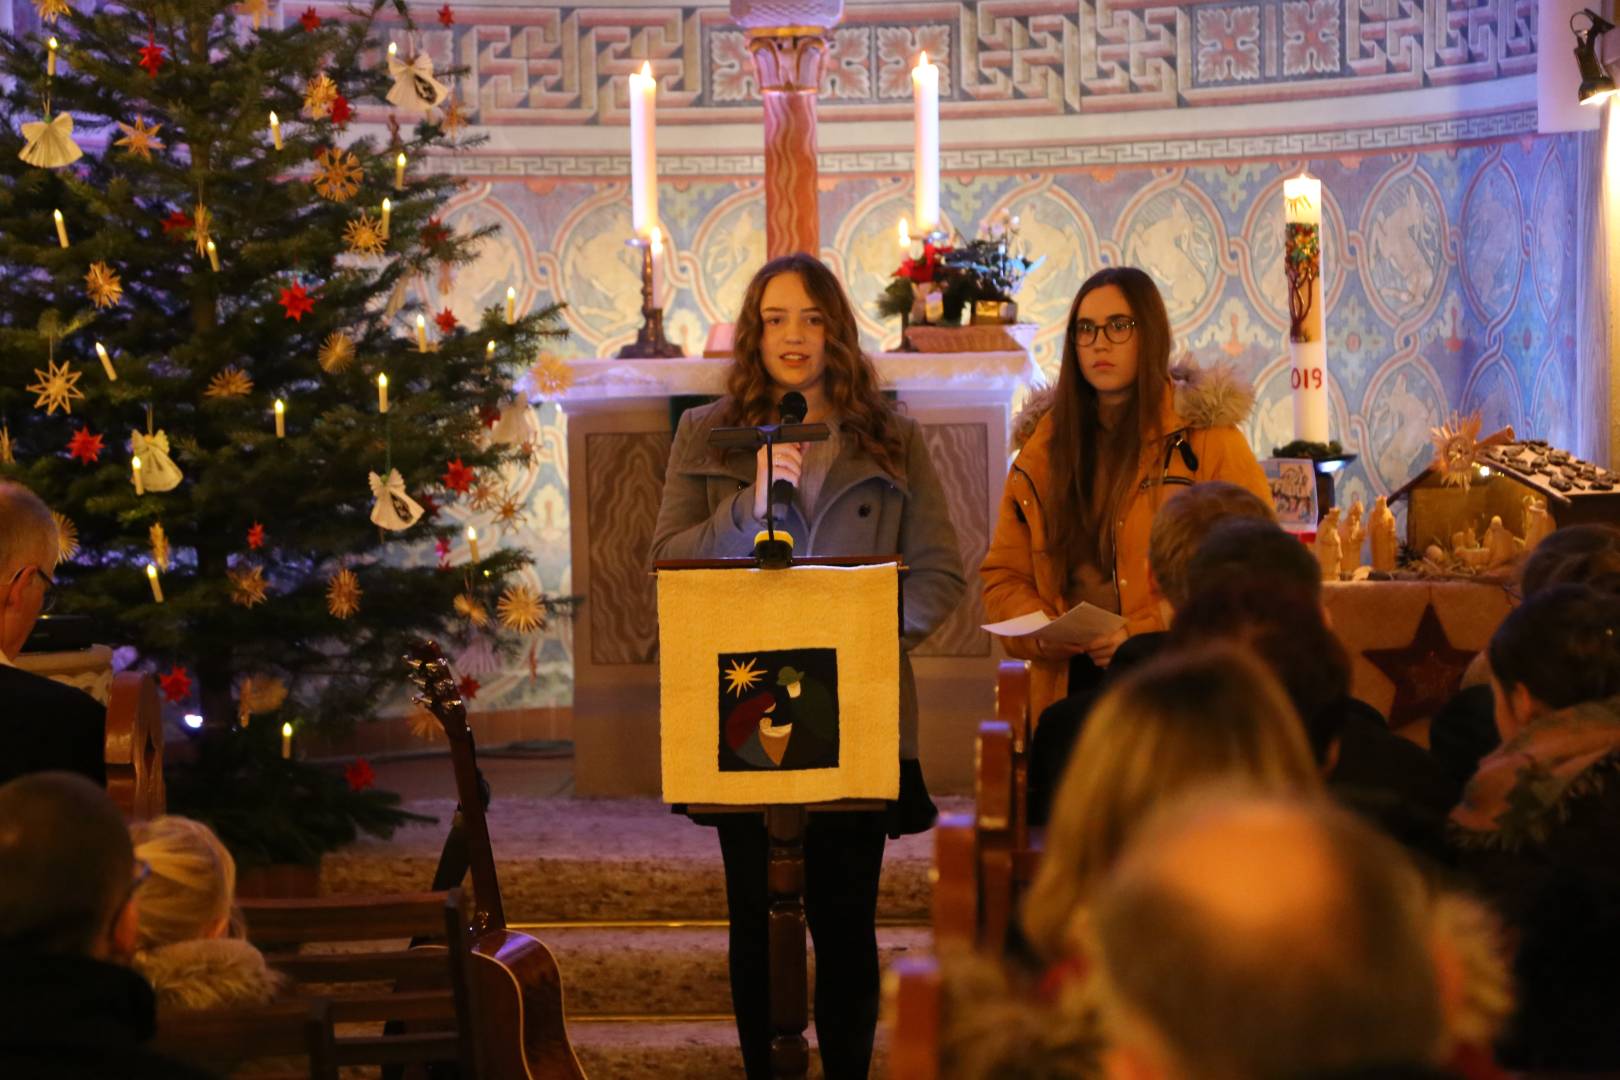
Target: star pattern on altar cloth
<point>1426,671</point>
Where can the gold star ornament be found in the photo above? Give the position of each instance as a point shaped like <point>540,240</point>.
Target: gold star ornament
<point>343,594</point>
<point>232,382</point>
<point>470,608</point>
<point>160,546</point>
<point>337,175</point>
<point>103,285</point>
<point>363,235</point>
<point>337,352</point>
<point>140,140</point>
<point>67,537</point>
<point>202,225</point>
<point>521,609</point>
<point>8,453</point>
<point>51,10</point>
<point>551,375</point>
<point>318,97</point>
<point>57,388</point>
<point>247,585</point>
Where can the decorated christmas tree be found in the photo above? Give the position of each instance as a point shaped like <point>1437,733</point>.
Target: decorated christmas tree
<point>225,355</point>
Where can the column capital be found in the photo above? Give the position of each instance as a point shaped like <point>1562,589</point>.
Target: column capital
<point>788,59</point>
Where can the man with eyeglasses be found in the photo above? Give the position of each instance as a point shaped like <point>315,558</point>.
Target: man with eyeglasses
<point>44,724</point>
<point>70,884</point>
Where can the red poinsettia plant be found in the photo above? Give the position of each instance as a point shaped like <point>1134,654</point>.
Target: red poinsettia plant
<point>924,270</point>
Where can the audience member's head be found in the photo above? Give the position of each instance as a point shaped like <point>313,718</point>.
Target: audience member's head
<point>1259,550</point>
<point>1243,939</point>
<point>192,891</point>
<point>1185,520</point>
<point>29,546</point>
<point>67,869</point>
<point>1175,723</point>
<point>1559,648</point>
<point>1575,554</point>
<point>1282,624</point>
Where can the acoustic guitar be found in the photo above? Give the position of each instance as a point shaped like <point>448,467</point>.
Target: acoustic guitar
<point>519,986</point>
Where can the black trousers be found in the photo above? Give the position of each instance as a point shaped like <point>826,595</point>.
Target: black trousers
<point>843,855</point>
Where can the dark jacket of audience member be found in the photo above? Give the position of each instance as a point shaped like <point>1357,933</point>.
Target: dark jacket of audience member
<point>46,725</point>
<point>1539,825</point>
<point>1389,779</point>
<point>69,1008</point>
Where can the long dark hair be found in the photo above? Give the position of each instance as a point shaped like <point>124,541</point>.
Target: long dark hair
<point>850,380</point>
<point>1081,450</point>
<point>1562,644</point>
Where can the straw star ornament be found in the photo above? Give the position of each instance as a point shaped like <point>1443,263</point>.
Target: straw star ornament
<point>363,235</point>
<point>232,382</point>
<point>103,285</point>
<point>140,139</point>
<point>521,609</point>
<point>57,388</point>
<point>248,585</point>
<point>337,175</point>
<point>343,594</point>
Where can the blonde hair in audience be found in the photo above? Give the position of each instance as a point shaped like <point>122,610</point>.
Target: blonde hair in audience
<point>28,532</point>
<point>1184,720</point>
<point>192,891</point>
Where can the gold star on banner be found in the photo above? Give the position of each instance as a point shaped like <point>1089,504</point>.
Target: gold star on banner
<point>521,609</point>
<point>343,594</point>
<point>364,235</point>
<point>318,97</point>
<point>232,382</point>
<point>337,352</point>
<point>470,608</point>
<point>201,224</point>
<point>103,285</point>
<point>58,388</point>
<point>551,375</point>
<point>337,175</point>
<point>160,545</point>
<point>67,537</point>
<point>141,139</point>
<point>742,677</point>
<point>7,453</point>
<point>51,10</point>
<point>247,585</point>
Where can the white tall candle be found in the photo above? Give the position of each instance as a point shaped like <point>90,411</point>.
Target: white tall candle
<point>925,103</point>
<point>1302,252</point>
<point>643,150</point>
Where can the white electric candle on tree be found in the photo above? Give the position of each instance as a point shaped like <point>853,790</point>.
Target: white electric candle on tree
<point>213,256</point>
<point>275,129</point>
<point>281,419</point>
<point>1302,265</point>
<point>472,542</point>
<point>643,151</point>
<point>388,212</point>
<point>421,334</point>
<point>50,61</point>
<point>925,102</point>
<point>511,305</point>
<point>399,171</point>
<point>61,227</point>
<point>382,393</point>
<point>106,362</point>
<point>135,468</point>
<point>157,587</point>
<point>286,739</point>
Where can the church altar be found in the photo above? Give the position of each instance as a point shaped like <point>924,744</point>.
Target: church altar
<point>620,429</point>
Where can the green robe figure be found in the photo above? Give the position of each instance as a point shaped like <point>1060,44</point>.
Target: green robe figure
<point>813,712</point>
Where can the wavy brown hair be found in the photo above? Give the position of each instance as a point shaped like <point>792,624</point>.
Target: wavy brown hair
<point>850,381</point>
<point>1083,455</point>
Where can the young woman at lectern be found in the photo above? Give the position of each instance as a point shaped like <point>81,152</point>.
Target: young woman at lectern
<point>1120,434</point>
<point>870,489</point>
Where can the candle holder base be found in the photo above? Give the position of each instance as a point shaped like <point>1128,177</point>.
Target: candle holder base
<point>650,343</point>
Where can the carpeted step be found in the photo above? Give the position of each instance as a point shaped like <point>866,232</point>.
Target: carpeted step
<point>664,970</point>
<point>574,859</point>
<point>676,1050</point>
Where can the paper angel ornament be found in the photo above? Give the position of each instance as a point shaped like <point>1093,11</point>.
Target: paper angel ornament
<point>415,89</point>
<point>515,426</point>
<point>395,509</point>
<point>49,143</point>
<point>158,470</point>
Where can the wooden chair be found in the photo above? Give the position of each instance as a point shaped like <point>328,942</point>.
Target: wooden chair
<point>294,1029</point>
<point>915,995</point>
<point>134,746</point>
<point>425,995</point>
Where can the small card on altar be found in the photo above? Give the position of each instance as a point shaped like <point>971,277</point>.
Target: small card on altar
<point>1080,625</point>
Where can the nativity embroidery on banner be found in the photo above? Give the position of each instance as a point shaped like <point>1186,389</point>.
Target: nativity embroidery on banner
<point>777,710</point>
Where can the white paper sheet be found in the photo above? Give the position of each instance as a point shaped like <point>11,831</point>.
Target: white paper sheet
<point>1080,625</point>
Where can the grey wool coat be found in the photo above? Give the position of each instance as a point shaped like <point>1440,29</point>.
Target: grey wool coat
<point>707,512</point>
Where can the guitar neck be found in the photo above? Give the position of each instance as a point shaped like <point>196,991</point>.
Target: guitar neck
<point>489,914</point>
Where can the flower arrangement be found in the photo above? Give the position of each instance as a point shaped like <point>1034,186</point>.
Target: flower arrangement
<point>937,285</point>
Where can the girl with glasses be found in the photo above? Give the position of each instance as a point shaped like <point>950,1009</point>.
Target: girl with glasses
<point>1119,434</point>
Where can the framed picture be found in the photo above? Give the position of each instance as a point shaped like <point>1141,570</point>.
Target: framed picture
<point>1293,490</point>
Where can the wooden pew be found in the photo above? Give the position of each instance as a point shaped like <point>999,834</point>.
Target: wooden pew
<point>134,746</point>
<point>956,881</point>
<point>296,1029</point>
<point>428,989</point>
<point>913,1001</point>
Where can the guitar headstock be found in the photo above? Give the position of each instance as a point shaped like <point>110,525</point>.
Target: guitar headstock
<point>439,692</point>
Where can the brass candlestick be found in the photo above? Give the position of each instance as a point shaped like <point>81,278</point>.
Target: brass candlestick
<point>650,343</point>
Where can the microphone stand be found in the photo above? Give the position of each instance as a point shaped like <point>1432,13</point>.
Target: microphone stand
<point>772,552</point>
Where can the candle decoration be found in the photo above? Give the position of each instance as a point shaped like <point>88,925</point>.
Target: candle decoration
<point>106,362</point>
<point>50,59</point>
<point>61,227</point>
<point>489,349</point>
<point>399,172</point>
<point>157,586</point>
<point>421,334</point>
<point>511,305</point>
<point>213,256</point>
<point>656,238</point>
<point>925,104</point>
<point>1302,264</point>
<point>387,214</point>
<point>472,542</point>
<point>643,150</point>
<point>275,129</point>
<point>281,419</point>
<point>135,469</point>
<point>382,393</point>
<point>650,342</point>
<point>286,739</point>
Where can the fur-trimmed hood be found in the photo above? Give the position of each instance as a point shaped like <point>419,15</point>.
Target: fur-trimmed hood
<point>208,973</point>
<point>1215,396</point>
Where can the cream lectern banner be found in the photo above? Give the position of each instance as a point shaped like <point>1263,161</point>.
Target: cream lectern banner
<point>780,686</point>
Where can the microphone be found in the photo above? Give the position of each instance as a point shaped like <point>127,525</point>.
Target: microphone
<point>792,408</point>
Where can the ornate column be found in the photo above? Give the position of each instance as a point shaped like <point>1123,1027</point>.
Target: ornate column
<point>788,42</point>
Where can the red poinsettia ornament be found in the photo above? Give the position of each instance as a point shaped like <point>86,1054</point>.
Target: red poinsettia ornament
<point>457,477</point>
<point>255,537</point>
<point>359,774</point>
<point>84,446</point>
<point>179,221</point>
<point>309,20</point>
<point>446,321</point>
<point>342,111</point>
<point>469,687</point>
<point>297,302</point>
<point>152,55</point>
<point>176,684</point>
<point>446,16</point>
